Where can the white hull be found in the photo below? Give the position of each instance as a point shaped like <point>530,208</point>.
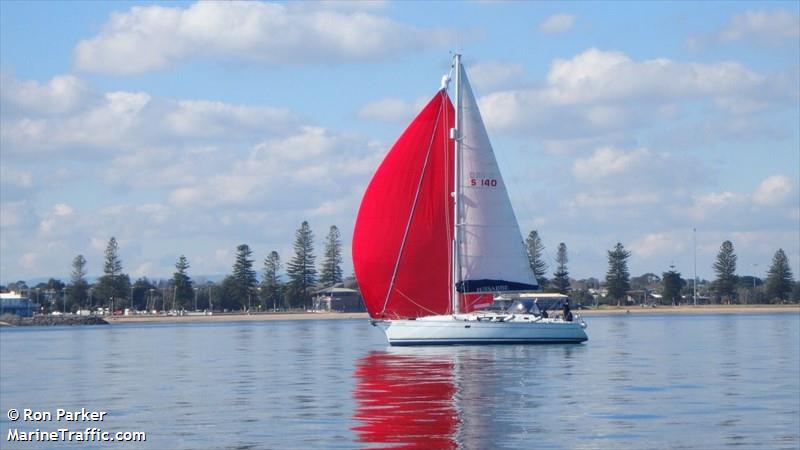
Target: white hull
<point>474,329</point>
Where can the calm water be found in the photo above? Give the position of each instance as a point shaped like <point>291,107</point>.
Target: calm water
<point>640,382</point>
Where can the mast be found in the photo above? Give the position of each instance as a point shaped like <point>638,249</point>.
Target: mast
<point>455,134</point>
<point>694,283</point>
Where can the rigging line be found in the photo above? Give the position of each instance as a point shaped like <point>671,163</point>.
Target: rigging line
<point>413,208</point>
<point>415,303</point>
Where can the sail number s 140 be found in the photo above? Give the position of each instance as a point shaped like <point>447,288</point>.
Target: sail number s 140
<point>491,182</point>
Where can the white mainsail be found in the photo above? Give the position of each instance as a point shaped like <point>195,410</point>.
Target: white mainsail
<point>491,253</point>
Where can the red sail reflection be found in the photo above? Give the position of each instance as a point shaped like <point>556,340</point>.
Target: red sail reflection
<point>406,401</point>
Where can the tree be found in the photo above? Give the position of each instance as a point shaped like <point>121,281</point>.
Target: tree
<point>113,287</point>
<point>244,277</point>
<point>78,289</point>
<point>779,277</point>
<point>673,283</point>
<point>184,293</point>
<point>271,287</point>
<point>618,276</point>
<point>300,269</point>
<point>535,248</point>
<point>561,275</point>
<point>53,291</point>
<point>331,272</point>
<point>227,294</point>
<point>725,268</point>
<point>17,286</point>
<point>143,294</point>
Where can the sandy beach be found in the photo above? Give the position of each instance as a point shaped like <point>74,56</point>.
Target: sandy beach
<point>602,311</point>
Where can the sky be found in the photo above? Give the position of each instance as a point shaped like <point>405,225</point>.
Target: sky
<point>190,128</point>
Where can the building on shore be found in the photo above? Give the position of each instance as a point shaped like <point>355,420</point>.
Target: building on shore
<point>17,304</point>
<point>338,299</point>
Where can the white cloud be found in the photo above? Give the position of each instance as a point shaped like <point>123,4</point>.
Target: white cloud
<point>313,160</point>
<point>154,37</point>
<point>603,93</point>
<point>596,75</point>
<point>200,118</point>
<point>766,206</point>
<point>774,190</point>
<point>62,94</point>
<point>658,244</point>
<point>609,161</point>
<point>114,123</point>
<point>59,222</point>
<point>775,29</point>
<point>62,209</point>
<point>558,23</point>
<point>768,27</point>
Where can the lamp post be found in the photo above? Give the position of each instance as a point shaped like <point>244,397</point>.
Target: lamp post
<point>694,283</point>
<point>131,299</point>
<point>64,299</point>
<point>195,299</point>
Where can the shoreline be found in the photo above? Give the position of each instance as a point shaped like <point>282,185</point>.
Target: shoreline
<point>690,310</point>
<point>235,317</point>
<point>602,311</point>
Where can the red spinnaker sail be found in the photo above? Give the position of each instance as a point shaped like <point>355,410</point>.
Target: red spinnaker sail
<point>402,236</point>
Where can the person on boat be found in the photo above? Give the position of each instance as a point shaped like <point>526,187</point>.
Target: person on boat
<point>535,309</point>
<point>567,312</point>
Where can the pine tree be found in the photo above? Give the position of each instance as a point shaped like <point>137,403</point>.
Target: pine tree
<point>243,277</point>
<point>673,283</point>
<point>271,287</point>
<point>779,277</point>
<point>725,268</point>
<point>113,287</point>
<point>561,276</point>
<point>78,287</point>
<point>300,269</point>
<point>184,293</point>
<point>535,248</point>
<point>331,272</point>
<point>618,278</point>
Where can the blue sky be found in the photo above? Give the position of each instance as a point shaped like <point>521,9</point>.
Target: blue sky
<point>184,128</point>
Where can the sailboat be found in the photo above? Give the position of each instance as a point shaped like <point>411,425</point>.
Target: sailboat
<point>436,237</point>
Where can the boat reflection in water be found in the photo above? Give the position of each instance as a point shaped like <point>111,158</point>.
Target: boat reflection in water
<point>406,400</point>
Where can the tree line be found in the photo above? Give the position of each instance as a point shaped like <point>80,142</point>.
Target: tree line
<point>779,285</point>
<point>240,290</point>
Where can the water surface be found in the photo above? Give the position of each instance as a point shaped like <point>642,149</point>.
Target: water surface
<point>710,381</point>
